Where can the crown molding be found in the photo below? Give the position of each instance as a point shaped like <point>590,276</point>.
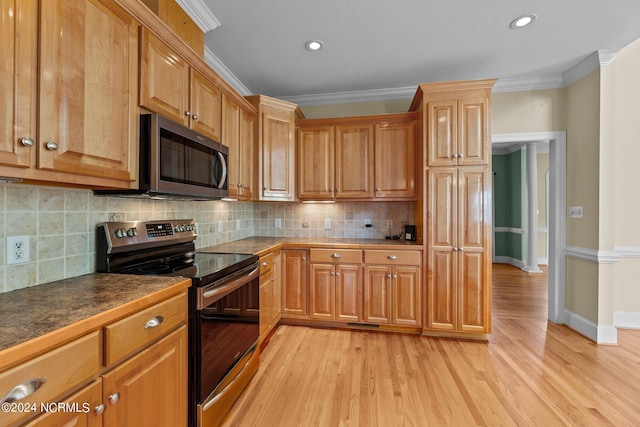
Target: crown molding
<point>596,60</point>
<point>219,67</point>
<point>389,94</point>
<point>519,84</point>
<point>200,13</point>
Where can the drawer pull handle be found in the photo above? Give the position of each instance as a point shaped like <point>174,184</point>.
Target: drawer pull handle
<point>152,323</point>
<point>114,398</point>
<point>23,390</point>
<point>99,409</point>
<point>392,257</point>
<point>265,263</point>
<point>335,255</point>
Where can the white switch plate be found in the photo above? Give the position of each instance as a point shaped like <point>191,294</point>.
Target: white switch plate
<point>219,226</point>
<point>278,222</point>
<point>575,211</point>
<point>17,249</point>
<point>238,224</point>
<point>327,224</point>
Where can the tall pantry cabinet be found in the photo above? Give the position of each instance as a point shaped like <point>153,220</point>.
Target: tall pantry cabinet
<point>453,213</point>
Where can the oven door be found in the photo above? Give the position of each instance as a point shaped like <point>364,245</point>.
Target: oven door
<point>227,329</point>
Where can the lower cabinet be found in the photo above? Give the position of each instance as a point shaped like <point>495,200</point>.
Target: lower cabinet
<point>294,284</point>
<point>392,295</point>
<point>269,293</point>
<point>336,292</point>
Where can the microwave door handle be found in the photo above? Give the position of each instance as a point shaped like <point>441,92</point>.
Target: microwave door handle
<point>223,161</point>
<point>214,172</point>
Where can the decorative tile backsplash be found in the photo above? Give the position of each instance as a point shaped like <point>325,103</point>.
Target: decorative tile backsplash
<point>61,225</point>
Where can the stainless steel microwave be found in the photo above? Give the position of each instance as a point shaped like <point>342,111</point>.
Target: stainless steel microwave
<point>177,163</point>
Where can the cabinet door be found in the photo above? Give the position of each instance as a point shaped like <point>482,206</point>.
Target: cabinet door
<point>164,79</point>
<point>278,157</point>
<point>206,106</point>
<point>88,85</point>
<point>348,293</point>
<point>354,162</point>
<point>151,386</point>
<point>395,169</point>
<point>88,413</point>
<point>405,296</point>
<point>377,298</point>
<point>277,286</point>
<point>294,283</point>
<point>474,242</point>
<point>473,131</point>
<point>246,155</point>
<point>442,208</point>
<point>442,138</point>
<point>315,163</point>
<point>322,292</point>
<point>18,67</point>
<point>231,138</point>
<point>266,304</point>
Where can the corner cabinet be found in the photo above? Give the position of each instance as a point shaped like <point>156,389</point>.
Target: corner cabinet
<point>87,51</point>
<point>276,148</point>
<point>454,210</point>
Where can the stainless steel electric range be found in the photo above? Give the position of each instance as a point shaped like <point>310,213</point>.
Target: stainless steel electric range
<point>224,307</point>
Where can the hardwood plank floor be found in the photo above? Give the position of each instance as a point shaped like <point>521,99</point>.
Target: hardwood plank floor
<point>530,373</point>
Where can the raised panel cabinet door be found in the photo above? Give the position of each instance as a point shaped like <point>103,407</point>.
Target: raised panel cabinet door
<point>18,68</point>
<point>322,290</point>
<point>441,298</point>
<point>405,296</point>
<point>151,386</point>
<point>395,164</point>
<point>277,288</point>
<point>473,293</point>
<point>442,208</point>
<point>88,84</point>
<point>316,162</point>
<point>266,304</point>
<point>246,154</point>
<point>206,106</point>
<point>278,157</point>
<point>294,283</point>
<point>377,297</point>
<point>349,293</point>
<point>474,208</point>
<point>442,137</point>
<point>87,407</point>
<point>354,162</point>
<point>473,131</point>
<point>231,138</point>
<point>164,79</point>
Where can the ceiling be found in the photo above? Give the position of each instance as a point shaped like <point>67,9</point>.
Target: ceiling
<point>376,48</point>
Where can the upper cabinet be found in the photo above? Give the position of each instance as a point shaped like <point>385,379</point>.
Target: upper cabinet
<point>357,158</point>
<point>238,133</point>
<point>190,99</point>
<point>85,93</point>
<point>276,148</point>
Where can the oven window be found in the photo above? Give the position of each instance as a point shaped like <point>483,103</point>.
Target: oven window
<point>227,330</point>
<point>185,161</point>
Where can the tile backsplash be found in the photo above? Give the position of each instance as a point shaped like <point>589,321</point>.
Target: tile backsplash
<point>60,223</point>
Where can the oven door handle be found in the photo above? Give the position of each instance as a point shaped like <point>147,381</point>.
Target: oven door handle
<point>207,297</point>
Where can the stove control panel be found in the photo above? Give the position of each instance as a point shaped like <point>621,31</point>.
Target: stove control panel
<point>132,235</point>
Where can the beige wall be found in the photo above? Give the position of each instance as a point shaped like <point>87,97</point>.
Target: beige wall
<point>528,111</point>
<point>581,293</point>
<point>356,109</point>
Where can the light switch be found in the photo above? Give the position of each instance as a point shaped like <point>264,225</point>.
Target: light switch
<point>575,211</point>
<point>327,224</point>
<point>278,222</point>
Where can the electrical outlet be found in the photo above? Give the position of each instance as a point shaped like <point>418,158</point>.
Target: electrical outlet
<point>238,224</point>
<point>278,222</point>
<point>17,249</point>
<point>575,211</point>
<point>327,224</point>
<point>367,223</point>
<point>219,226</point>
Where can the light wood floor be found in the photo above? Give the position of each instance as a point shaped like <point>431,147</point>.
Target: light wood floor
<point>530,373</point>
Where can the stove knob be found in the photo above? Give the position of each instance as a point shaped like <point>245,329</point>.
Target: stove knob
<point>120,233</point>
<point>132,232</point>
<point>177,229</point>
<point>182,228</point>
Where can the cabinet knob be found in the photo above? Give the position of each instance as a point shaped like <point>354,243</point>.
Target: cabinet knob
<point>27,142</point>
<point>266,188</point>
<point>194,117</point>
<point>338,190</point>
<point>377,188</point>
<point>114,398</point>
<point>461,249</point>
<point>265,263</point>
<point>392,257</point>
<point>337,273</point>
<point>335,255</point>
<point>51,146</point>
<point>395,276</point>
<point>455,156</point>
<point>99,409</point>
<point>239,186</point>
<point>304,258</point>
<point>152,323</point>
<point>273,279</point>
<point>333,273</point>
<point>187,113</point>
<point>461,155</point>
<point>455,249</point>
<point>389,276</point>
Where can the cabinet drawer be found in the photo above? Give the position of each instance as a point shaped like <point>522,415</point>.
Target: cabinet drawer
<point>342,256</point>
<point>266,263</point>
<point>62,369</point>
<point>136,331</point>
<point>392,257</point>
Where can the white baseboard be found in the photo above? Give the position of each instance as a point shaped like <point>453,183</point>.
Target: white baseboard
<point>508,260</point>
<point>601,334</point>
<point>543,261</point>
<point>626,320</point>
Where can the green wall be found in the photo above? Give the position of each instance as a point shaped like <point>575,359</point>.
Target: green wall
<point>508,200</point>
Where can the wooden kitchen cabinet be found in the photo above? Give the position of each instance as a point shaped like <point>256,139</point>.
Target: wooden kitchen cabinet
<point>357,158</point>
<point>150,388</point>
<point>269,293</point>
<point>238,133</point>
<point>335,292</point>
<point>294,284</point>
<point>190,99</point>
<point>276,148</point>
<point>458,286</point>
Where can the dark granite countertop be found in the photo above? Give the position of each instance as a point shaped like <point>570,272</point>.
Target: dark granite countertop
<point>32,312</point>
<point>262,245</point>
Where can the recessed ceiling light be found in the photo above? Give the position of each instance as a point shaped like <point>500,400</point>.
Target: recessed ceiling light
<point>523,21</point>
<point>313,45</point>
